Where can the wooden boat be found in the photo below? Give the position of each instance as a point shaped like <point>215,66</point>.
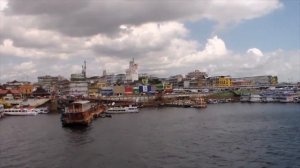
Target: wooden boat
<point>81,113</point>
<point>199,103</point>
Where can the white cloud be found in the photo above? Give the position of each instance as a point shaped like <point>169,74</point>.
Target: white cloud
<point>3,5</point>
<point>7,48</point>
<point>90,17</point>
<point>255,52</point>
<point>215,47</point>
<point>54,37</point>
<point>18,71</point>
<point>234,11</point>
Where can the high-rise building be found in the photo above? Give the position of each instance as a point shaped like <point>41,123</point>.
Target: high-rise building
<point>196,75</point>
<point>78,84</point>
<point>132,72</point>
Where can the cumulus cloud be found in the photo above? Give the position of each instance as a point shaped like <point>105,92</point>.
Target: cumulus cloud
<point>255,52</point>
<point>8,48</point>
<point>90,17</point>
<point>137,40</point>
<point>18,71</point>
<point>55,37</point>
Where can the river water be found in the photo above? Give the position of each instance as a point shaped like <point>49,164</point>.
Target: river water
<point>222,135</point>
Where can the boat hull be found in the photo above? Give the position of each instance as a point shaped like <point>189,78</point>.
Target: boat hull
<point>20,113</point>
<point>120,112</point>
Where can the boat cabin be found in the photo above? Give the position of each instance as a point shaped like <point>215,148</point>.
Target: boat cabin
<point>79,106</point>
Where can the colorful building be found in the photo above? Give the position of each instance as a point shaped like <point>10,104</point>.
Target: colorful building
<point>26,89</point>
<point>224,81</point>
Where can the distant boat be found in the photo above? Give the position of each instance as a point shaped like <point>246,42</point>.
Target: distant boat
<point>121,110</point>
<point>267,99</point>
<point>287,98</point>
<point>255,98</point>
<point>245,98</point>
<point>41,110</point>
<point>19,112</point>
<point>212,101</point>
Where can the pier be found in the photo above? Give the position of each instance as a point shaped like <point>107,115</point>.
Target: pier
<point>178,100</point>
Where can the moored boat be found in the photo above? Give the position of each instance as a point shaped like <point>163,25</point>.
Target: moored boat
<point>81,113</point>
<point>255,98</point>
<point>121,110</point>
<point>19,112</point>
<point>199,103</point>
<point>245,98</point>
<point>41,110</point>
<point>267,99</point>
<point>287,98</point>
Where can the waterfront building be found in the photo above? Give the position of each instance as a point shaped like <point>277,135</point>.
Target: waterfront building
<point>260,80</point>
<point>94,89</point>
<point>78,85</point>
<point>224,81</point>
<point>241,83</point>
<point>168,88</point>
<point>26,89</point>
<point>120,79</point>
<point>132,72</point>
<point>212,81</point>
<point>94,79</point>
<point>119,90</point>
<point>47,79</point>
<point>49,83</point>
<point>63,87</point>
<point>15,84</point>
<point>10,93</point>
<point>220,81</point>
<point>197,74</point>
<point>176,81</point>
<point>40,92</point>
<point>106,91</point>
<point>202,83</point>
<point>110,79</point>
<point>186,84</point>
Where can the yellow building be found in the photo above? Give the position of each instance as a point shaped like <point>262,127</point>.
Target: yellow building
<point>224,81</point>
<point>168,86</point>
<point>26,89</point>
<point>94,88</point>
<point>274,80</point>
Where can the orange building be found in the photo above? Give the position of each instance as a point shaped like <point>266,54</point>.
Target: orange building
<point>26,89</point>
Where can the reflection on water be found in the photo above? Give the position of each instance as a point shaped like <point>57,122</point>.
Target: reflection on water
<point>222,135</point>
<point>78,135</point>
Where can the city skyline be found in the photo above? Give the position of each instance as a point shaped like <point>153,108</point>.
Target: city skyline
<point>249,38</point>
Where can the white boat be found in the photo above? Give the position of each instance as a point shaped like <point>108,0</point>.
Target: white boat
<point>19,112</point>
<point>41,110</point>
<point>121,110</point>
<point>245,98</point>
<point>254,98</point>
<point>267,99</point>
<point>286,98</point>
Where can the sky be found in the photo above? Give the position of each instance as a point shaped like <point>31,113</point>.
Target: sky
<point>170,37</point>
